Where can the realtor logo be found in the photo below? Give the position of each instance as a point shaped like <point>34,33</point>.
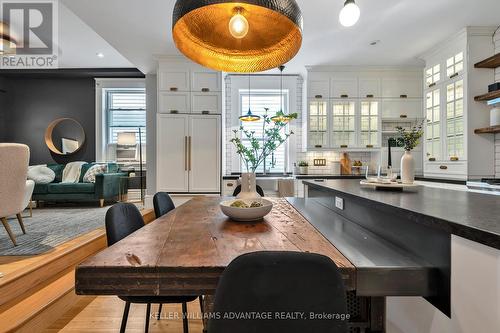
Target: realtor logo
<point>33,27</point>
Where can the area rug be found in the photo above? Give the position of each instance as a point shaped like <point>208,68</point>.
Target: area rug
<point>48,228</point>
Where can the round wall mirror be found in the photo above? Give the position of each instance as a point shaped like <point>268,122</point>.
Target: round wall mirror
<point>64,136</point>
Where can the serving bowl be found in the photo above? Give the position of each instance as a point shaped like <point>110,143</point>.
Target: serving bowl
<point>246,214</point>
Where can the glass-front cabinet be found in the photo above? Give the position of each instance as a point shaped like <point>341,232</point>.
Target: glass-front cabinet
<point>433,125</point>
<point>370,124</point>
<point>318,124</point>
<point>455,120</point>
<point>455,65</point>
<point>343,124</point>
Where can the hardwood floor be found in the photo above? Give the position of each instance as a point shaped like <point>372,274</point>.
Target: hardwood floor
<point>104,315</point>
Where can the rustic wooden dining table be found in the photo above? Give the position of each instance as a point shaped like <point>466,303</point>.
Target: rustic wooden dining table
<point>185,251</point>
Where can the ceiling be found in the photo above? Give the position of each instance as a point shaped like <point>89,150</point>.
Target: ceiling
<point>141,30</point>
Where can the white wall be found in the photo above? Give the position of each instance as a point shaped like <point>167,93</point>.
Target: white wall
<point>151,106</point>
<point>496,39</point>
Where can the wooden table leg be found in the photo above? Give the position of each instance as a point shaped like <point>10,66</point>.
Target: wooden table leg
<point>208,307</point>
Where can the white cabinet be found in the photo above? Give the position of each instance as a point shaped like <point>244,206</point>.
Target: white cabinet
<point>343,120</point>
<point>318,124</point>
<point>204,153</point>
<point>403,108</point>
<point>205,81</point>
<point>401,87</point>
<point>229,185</point>
<point>188,153</point>
<point>172,149</point>
<point>344,88</point>
<point>173,79</point>
<point>369,87</point>
<point>318,88</point>
<point>206,103</point>
<point>174,102</point>
<point>370,123</point>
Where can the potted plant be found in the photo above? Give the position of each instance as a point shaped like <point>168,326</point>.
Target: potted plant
<point>408,139</point>
<point>258,149</point>
<point>303,165</point>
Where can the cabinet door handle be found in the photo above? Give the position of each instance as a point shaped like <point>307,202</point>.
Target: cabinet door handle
<point>453,75</point>
<point>369,146</point>
<point>185,153</point>
<point>318,96</point>
<point>174,111</point>
<point>189,142</point>
<point>432,84</point>
<point>432,159</point>
<point>369,96</point>
<point>205,112</point>
<point>229,184</point>
<point>318,146</point>
<point>403,96</point>
<point>344,96</point>
<point>403,116</point>
<point>173,89</point>
<point>443,167</point>
<point>454,158</point>
<point>344,146</point>
<point>205,89</point>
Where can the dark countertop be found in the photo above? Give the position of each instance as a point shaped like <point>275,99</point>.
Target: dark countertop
<point>469,215</point>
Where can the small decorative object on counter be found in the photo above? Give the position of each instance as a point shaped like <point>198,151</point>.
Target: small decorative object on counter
<point>495,116</point>
<point>303,167</point>
<point>345,165</point>
<point>408,139</point>
<point>357,166</point>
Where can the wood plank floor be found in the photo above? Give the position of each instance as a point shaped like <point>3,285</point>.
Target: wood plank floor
<point>104,314</point>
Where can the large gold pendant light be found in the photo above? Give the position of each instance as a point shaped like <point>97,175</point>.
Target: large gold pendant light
<point>7,42</point>
<point>238,36</point>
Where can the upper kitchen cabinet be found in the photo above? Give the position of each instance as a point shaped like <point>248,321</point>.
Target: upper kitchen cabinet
<point>399,108</point>
<point>171,79</point>
<point>402,87</point>
<point>317,124</point>
<point>206,103</point>
<point>174,102</point>
<point>344,87</point>
<point>369,88</point>
<point>451,82</point>
<point>206,81</point>
<point>318,88</point>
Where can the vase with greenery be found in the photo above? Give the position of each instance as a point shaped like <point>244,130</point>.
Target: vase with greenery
<point>258,149</point>
<point>303,166</point>
<point>408,139</point>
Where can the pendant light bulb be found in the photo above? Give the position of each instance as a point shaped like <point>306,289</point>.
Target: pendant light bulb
<point>349,15</point>
<point>238,25</point>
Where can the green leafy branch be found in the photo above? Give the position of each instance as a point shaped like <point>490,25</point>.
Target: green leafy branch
<point>409,139</point>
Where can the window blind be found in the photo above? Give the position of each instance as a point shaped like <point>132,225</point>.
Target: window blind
<point>126,112</point>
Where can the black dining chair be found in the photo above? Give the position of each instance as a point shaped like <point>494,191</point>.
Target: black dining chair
<point>122,219</point>
<point>162,203</point>
<point>276,285</point>
<point>237,190</point>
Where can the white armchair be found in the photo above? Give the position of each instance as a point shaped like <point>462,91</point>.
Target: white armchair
<point>14,160</point>
<point>28,192</point>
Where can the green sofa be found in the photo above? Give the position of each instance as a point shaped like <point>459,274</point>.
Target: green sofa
<point>105,188</point>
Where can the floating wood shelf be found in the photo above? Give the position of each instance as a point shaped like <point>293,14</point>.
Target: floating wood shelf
<point>488,96</point>
<point>489,130</point>
<point>491,62</point>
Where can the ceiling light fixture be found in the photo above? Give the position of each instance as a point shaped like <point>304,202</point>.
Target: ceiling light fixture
<point>237,36</point>
<point>280,116</point>
<point>249,116</point>
<point>349,15</point>
<point>7,43</point>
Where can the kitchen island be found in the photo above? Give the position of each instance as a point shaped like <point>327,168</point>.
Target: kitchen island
<point>457,231</point>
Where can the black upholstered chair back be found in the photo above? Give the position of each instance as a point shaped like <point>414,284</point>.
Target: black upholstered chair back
<point>237,190</point>
<point>122,219</point>
<point>276,283</point>
<point>162,203</point>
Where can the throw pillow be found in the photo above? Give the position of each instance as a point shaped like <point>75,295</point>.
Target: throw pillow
<point>41,174</point>
<point>93,171</point>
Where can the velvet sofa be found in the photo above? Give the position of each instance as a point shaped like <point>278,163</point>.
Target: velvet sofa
<point>105,188</point>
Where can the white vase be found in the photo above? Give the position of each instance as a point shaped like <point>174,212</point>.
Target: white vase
<point>248,186</point>
<point>407,168</point>
<point>303,170</point>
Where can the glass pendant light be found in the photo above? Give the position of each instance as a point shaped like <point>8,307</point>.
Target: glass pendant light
<point>349,15</point>
<point>237,36</point>
<point>280,115</point>
<point>249,116</point>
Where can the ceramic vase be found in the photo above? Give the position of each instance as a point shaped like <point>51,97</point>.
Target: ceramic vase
<point>248,186</point>
<point>407,168</point>
<point>303,170</point>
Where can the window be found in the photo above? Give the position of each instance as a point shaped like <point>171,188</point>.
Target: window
<point>261,99</point>
<point>125,112</point>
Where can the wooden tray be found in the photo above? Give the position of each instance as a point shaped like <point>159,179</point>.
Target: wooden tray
<point>387,187</point>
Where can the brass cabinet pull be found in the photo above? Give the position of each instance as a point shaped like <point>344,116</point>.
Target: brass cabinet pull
<point>318,96</point>
<point>230,185</point>
<point>453,75</point>
<point>174,111</point>
<point>205,112</point>
<point>432,159</point>
<point>189,140</point>
<point>369,96</point>
<point>318,146</point>
<point>185,153</point>
<point>454,158</point>
<point>205,89</point>
<point>369,146</point>
<point>443,167</point>
<point>403,116</point>
<point>432,84</point>
<point>173,89</point>
<point>403,96</point>
<point>344,96</point>
<point>344,146</point>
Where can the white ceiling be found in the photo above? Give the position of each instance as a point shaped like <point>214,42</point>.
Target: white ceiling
<point>141,30</point>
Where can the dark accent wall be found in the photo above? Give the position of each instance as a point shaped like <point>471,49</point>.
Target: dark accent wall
<point>33,100</point>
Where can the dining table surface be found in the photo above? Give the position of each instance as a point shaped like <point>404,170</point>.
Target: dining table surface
<point>185,251</point>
